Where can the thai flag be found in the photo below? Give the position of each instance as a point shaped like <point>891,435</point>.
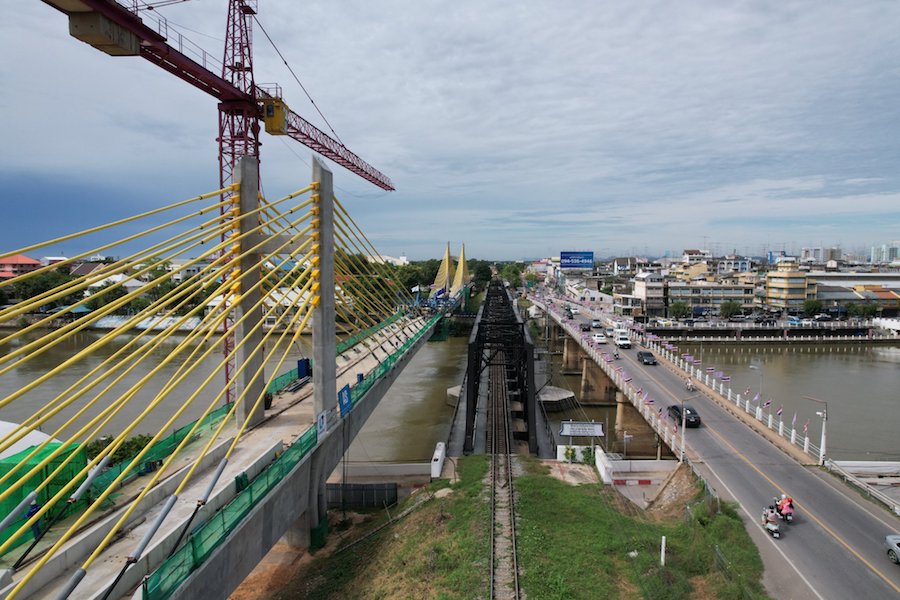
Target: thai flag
<point>794,421</point>
<point>725,378</point>
<point>619,369</point>
<point>649,401</point>
<point>675,427</point>
<point>627,379</point>
<point>719,374</point>
<point>756,397</point>
<point>780,410</point>
<point>639,390</point>
<point>609,359</point>
<point>806,426</point>
<point>697,361</point>
<point>710,369</point>
<point>686,356</point>
<point>767,403</point>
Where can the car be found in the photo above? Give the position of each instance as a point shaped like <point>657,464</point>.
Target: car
<point>691,417</point>
<point>892,543</point>
<point>822,318</point>
<point>622,341</point>
<point>585,326</point>
<point>596,324</point>
<point>646,357</point>
<point>807,322</point>
<point>598,338</point>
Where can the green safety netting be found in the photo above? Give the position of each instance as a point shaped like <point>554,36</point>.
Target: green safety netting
<point>67,474</point>
<point>162,582</point>
<point>157,452</point>
<point>166,579</point>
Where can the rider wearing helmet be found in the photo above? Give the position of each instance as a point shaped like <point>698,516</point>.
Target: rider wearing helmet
<point>785,502</point>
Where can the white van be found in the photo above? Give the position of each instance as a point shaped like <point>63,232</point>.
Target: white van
<point>622,340</point>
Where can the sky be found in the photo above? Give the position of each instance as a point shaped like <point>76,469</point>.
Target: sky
<point>521,129</point>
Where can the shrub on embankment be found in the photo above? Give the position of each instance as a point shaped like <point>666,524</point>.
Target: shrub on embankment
<point>574,542</point>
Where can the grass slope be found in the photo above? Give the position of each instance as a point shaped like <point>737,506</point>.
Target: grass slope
<point>574,543</point>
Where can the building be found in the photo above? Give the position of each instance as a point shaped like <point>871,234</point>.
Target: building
<point>886,253</point>
<point>706,297</point>
<point>820,255</point>
<point>626,305</point>
<point>734,264</point>
<point>651,289</point>
<point>14,265</point>
<point>696,256</point>
<point>787,288</point>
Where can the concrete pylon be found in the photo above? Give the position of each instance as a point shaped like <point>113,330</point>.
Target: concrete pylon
<point>323,327</point>
<point>323,331</point>
<point>247,333</point>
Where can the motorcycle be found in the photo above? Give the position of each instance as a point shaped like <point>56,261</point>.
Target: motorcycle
<point>689,386</point>
<point>770,523</point>
<point>785,514</point>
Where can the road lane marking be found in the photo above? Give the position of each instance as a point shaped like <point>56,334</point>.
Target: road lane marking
<point>752,519</point>
<point>806,512</point>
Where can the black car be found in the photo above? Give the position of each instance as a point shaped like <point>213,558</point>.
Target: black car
<point>691,418</point>
<point>646,357</point>
<point>585,326</point>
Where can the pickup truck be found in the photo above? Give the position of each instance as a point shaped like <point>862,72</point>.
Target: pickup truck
<point>622,341</point>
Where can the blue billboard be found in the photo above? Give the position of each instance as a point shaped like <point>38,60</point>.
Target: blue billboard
<point>576,260</point>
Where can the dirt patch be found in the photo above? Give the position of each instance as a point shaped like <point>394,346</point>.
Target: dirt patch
<point>283,561</point>
<point>702,590</point>
<point>572,473</point>
<point>678,492</point>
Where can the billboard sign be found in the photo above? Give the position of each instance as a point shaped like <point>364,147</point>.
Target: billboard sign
<point>581,429</point>
<point>576,260</point>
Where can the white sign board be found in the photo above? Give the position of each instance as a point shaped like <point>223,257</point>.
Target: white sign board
<point>581,429</point>
<point>322,423</point>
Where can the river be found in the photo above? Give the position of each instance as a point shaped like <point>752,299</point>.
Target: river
<point>860,383</point>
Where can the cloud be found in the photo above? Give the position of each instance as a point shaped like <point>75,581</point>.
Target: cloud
<point>518,128</point>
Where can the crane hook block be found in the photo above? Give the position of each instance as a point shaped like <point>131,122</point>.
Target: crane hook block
<point>275,115</point>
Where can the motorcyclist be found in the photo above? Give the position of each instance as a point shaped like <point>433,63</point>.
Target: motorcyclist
<point>784,503</point>
<point>689,385</point>
<point>770,516</point>
<point>615,354</point>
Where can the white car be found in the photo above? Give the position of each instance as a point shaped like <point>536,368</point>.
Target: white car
<point>598,338</point>
<point>622,341</point>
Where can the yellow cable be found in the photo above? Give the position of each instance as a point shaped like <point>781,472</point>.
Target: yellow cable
<point>120,221</point>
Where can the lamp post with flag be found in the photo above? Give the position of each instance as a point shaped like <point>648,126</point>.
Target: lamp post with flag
<point>824,414</point>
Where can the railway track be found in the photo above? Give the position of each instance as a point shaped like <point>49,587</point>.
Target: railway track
<point>504,563</point>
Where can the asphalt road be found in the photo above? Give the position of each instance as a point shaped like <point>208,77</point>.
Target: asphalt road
<point>834,548</point>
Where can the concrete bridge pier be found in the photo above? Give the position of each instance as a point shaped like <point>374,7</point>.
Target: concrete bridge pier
<point>572,357</point>
<point>596,387</point>
<point>642,439</point>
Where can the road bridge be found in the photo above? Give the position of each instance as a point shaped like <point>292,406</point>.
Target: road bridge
<point>833,549</point>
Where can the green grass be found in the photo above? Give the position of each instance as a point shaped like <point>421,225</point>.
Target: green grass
<point>573,543</point>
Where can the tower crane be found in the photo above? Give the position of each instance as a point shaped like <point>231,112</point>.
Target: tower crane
<point>116,28</point>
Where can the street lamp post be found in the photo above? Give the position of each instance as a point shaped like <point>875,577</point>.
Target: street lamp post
<point>824,414</point>
<point>683,421</point>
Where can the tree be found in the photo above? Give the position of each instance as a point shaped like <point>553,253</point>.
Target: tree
<point>482,274</point>
<point>44,282</point>
<point>812,307</point>
<point>729,308</point>
<point>867,309</point>
<point>679,309</point>
<point>106,294</point>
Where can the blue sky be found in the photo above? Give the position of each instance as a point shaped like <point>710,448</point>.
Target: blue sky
<point>519,128</point>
